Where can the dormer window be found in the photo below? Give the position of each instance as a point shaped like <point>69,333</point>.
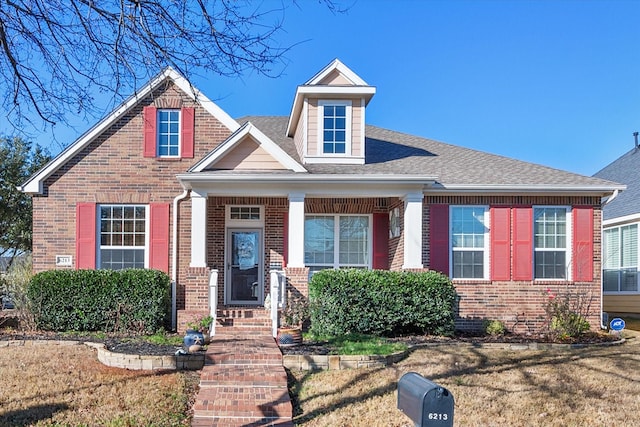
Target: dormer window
<point>335,130</point>
<point>168,133</point>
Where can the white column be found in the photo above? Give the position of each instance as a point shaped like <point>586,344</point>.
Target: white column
<point>198,230</point>
<point>296,230</point>
<point>413,230</point>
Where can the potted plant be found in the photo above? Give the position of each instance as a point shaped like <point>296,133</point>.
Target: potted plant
<point>291,319</point>
<point>198,331</point>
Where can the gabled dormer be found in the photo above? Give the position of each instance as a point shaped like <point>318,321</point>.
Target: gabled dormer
<point>327,119</point>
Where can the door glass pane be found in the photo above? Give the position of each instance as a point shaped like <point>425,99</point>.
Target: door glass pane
<point>245,266</point>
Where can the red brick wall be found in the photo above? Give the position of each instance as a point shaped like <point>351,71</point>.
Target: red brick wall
<point>112,169</point>
<point>520,305</point>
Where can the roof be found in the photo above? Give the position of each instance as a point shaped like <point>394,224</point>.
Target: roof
<point>456,168</point>
<point>626,170</point>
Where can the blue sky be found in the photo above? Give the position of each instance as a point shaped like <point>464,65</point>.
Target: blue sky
<point>549,82</point>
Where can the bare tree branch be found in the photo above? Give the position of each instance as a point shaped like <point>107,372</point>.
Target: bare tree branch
<point>58,56</point>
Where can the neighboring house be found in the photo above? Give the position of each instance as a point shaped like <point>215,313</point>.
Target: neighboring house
<point>170,181</point>
<point>621,219</point>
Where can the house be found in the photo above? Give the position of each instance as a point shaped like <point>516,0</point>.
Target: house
<point>170,181</point>
<point>621,218</point>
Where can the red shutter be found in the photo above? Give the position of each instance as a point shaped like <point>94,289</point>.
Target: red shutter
<point>86,236</point>
<point>439,235</point>
<point>188,118</point>
<point>583,243</point>
<point>500,243</point>
<point>523,243</point>
<point>285,239</point>
<point>149,117</point>
<point>159,237</point>
<point>380,241</point>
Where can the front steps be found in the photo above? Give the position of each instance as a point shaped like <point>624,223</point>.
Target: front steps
<point>243,382</point>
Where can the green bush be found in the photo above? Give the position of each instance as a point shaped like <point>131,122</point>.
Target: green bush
<point>131,301</point>
<point>493,327</point>
<point>383,303</point>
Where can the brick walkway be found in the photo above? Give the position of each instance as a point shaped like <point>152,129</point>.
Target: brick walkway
<point>243,382</point>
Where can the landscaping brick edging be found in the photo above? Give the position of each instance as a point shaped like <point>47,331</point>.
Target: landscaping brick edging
<point>302,362</point>
<point>190,362</point>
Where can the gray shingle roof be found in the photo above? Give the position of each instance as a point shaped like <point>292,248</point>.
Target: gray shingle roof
<point>390,152</point>
<point>626,170</point>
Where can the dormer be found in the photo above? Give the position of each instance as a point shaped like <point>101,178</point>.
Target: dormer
<point>327,119</point>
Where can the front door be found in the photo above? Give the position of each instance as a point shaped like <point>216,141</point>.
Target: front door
<point>244,267</point>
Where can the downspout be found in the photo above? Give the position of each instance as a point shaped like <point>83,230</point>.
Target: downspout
<point>174,260</point>
<point>609,200</point>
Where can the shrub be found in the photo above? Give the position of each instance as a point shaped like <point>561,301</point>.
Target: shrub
<point>14,286</point>
<point>493,327</point>
<point>132,301</point>
<point>567,314</point>
<point>381,302</point>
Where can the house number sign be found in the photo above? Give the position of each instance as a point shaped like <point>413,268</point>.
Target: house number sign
<point>64,260</point>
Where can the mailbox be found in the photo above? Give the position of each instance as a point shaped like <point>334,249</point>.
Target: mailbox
<point>425,402</point>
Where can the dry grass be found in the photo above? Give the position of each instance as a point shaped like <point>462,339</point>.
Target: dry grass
<point>594,386</point>
<point>68,386</point>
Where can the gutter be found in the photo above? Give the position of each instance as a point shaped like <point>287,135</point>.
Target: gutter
<point>174,259</point>
<point>609,200</point>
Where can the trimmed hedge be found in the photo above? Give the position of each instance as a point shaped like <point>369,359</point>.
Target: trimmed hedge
<point>131,301</point>
<point>383,303</point>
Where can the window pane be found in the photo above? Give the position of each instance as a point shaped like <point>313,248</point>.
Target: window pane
<point>550,265</point>
<point>354,244</point>
<point>319,240</point>
<point>629,282</point>
<point>629,248</point>
<point>340,110</point>
<point>610,280</point>
<point>168,132</point>
<point>611,248</point>
<point>468,264</point>
<point>122,236</point>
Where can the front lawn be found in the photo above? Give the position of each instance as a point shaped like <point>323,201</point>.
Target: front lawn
<point>67,386</point>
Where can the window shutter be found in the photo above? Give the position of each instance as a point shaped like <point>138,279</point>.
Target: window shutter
<point>285,239</point>
<point>439,235</point>
<point>523,243</point>
<point>500,243</point>
<point>159,237</point>
<point>583,243</point>
<point>86,236</point>
<point>187,137</point>
<point>149,117</point>
<point>380,241</point>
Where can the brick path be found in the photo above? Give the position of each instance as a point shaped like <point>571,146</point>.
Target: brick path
<point>243,382</point>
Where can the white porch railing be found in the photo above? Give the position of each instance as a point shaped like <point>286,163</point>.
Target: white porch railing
<point>278,296</point>
<point>213,299</point>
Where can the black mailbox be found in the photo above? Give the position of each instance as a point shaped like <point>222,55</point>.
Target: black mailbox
<point>425,402</point>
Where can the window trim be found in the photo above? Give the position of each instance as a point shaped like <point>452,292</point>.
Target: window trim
<point>348,104</point>
<point>147,232</point>
<point>619,228</point>
<point>568,243</point>
<point>486,258</point>
<point>336,237</point>
<point>158,122</point>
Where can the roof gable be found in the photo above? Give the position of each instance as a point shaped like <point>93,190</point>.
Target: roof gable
<point>248,149</point>
<point>35,183</point>
<point>334,72</point>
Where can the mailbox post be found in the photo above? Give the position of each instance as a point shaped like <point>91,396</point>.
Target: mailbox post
<point>425,402</point>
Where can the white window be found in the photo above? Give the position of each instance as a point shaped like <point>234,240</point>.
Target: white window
<point>469,242</point>
<point>620,259</point>
<point>335,127</point>
<point>123,236</point>
<point>551,242</point>
<point>337,241</point>
<point>168,133</point>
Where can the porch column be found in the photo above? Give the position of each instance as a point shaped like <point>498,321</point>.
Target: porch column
<point>413,230</point>
<point>296,230</point>
<point>198,229</point>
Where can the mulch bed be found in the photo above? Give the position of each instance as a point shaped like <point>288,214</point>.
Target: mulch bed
<point>137,345</point>
<point>322,348</point>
